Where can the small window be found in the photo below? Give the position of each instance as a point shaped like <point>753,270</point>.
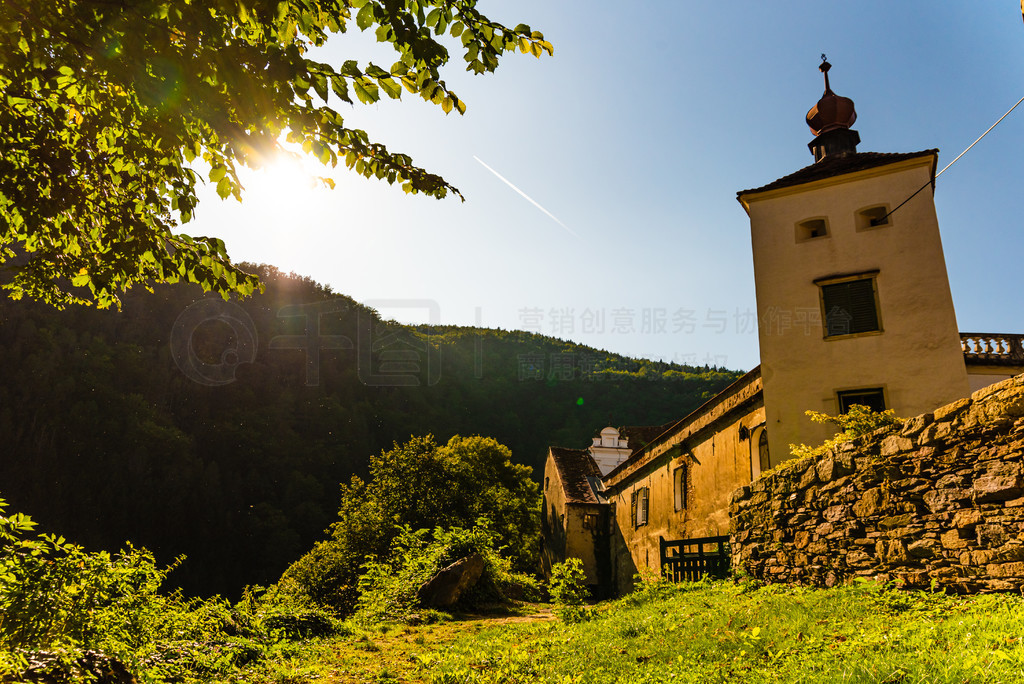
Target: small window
<point>873,217</point>
<point>872,397</point>
<point>639,502</point>
<point>811,229</point>
<point>680,480</point>
<point>590,521</point>
<point>850,307</point>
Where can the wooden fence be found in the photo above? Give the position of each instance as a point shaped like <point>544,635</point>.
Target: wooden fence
<point>687,560</point>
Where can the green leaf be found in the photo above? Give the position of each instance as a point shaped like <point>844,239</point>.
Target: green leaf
<point>224,187</point>
<point>365,17</point>
<point>366,90</point>
<point>391,87</point>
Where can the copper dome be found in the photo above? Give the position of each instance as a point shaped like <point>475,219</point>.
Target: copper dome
<point>832,111</point>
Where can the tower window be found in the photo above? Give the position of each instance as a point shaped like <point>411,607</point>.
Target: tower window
<point>850,306</point>
<point>811,229</point>
<point>871,397</point>
<point>873,217</point>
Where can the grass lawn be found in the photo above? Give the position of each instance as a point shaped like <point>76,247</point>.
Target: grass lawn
<point>705,632</point>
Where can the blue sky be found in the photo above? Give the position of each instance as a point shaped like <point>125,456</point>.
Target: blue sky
<point>637,135</point>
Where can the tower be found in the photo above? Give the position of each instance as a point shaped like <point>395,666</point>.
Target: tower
<point>853,300</point>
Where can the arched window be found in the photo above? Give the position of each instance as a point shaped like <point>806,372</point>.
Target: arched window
<point>762,451</point>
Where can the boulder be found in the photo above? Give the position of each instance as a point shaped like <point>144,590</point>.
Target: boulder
<point>446,587</point>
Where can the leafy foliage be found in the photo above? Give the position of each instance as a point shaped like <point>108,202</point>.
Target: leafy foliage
<point>859,420</point>
<point>420,485</point>
<point>109,108</point>
<point>388,587</point>
<point>569,590</point>
<point>58,599</point>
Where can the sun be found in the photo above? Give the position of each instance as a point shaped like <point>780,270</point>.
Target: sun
<point>287,177</point>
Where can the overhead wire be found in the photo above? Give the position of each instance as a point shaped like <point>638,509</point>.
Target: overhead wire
<point>885,218</point>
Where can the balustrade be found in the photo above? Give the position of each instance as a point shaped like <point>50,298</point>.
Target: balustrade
<point>995,348</point>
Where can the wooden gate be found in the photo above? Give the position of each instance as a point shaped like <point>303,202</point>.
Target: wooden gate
<point>687,560</point>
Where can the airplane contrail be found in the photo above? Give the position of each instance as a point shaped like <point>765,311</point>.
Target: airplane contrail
<point>525,196</point>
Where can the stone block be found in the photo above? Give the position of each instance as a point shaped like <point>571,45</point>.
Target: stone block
<point>830,468</point>
<point>895,444</point>
<point>810,476</point>
<point>953,541</point>
<point>967,518</point>
<point>801,539</point>
<point>895,521</point>
<point>981,557</point>
<point>991,536</point>
<point>949,481</point>
<point>915,425</point>
<point>1003,570</point>
<point>824,529</point>
<point>858,559</point>
<point>870,503</point>
<point>922,548</point>
<point>999,585</point>
<point>740,494</point>
<point>940,499</point>
<point>1001,482</point>
<point>817,548</point>
<point>1009,553</point>
<point>948,411</point>
<point>834,514</point>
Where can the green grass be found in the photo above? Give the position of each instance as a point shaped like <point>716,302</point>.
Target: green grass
<point>726,632</point>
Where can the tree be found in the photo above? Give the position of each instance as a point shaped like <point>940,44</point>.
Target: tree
<point>107,106</point>
<point>422,485</point>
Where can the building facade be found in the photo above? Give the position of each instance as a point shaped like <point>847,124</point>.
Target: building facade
<point>854,307</point>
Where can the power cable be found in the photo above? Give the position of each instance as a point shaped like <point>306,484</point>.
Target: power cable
<point>885,219</point>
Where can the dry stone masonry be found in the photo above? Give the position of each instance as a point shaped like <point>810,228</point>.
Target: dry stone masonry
<point>940,501</point>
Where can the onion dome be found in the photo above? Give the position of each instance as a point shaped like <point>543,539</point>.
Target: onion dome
<point>832,111</point>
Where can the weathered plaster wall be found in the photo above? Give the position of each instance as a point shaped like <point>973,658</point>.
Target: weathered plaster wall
<point>942,500</point>
<point>718,460</point>
<point>570,529</point>
<point>552,519</point>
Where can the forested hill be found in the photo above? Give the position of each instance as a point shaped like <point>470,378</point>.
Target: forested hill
<point>221,430</point>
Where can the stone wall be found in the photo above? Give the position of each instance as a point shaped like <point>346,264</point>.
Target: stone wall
<point>940,500</point>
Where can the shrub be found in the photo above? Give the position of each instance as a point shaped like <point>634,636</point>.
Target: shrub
<point>568,588</point>
<point>62,608</point>
<point>859,420</point>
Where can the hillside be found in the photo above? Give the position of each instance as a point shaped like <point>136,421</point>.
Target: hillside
<point>214,431</point>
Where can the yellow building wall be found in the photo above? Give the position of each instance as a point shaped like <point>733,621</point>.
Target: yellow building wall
<point>571,529</point>
<point>718,460</point>
<point>916,359</point>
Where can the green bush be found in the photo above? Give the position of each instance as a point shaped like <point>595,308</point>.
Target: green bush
<point>388,587</point>
<point>568,589</point>
<point>422,485</point>
<point>59,603</point>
